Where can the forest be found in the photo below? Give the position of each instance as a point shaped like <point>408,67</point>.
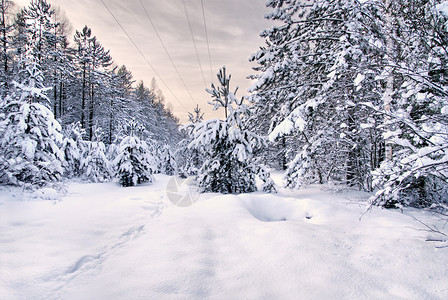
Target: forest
<point>66,106</point>
<point>347,92</point>
<point>327,179</point>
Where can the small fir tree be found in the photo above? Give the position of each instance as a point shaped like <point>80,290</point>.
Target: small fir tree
<point>73,147</point>
<point>134,163</point>
<point>227,145</point>
<point>168,165</point>
<point>268,184</point>
<point>95,165</point>
<point>189,159</point>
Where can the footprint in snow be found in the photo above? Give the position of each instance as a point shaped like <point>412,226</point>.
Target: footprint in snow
<point>87,259</point>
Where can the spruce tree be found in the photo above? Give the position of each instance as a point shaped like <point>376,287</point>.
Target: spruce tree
<point>168,165</point>
<point>134,163</point>
<point>73,147</point>
<point>95,165</point>
<point>417,128</point>
<point>189,159</point>
<point>30,136</point>
<point>227,145</point>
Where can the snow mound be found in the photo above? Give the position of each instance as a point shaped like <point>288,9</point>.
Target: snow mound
<point>46,194</point>
<point>270,208</point>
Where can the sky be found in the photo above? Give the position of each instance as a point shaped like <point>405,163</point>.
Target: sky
<point>233,28</point>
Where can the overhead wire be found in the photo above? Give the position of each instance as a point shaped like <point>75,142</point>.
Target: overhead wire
<point>144,57</point>
<point>206,38</point>
<point>194,42</point>
<point>166,51</point>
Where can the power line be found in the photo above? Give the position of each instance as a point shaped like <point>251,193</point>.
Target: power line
<point>166,51</point>
<point>194,42</point>
<point>144,57</point>
<point>206,37</point>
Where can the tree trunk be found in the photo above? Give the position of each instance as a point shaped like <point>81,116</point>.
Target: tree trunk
<point>5,44</point>
<point>387,95</point>
<point>61,109</point>
<point>91,113</point>
<point>83,100</point>
<point>55,100</point>
<point>111,121</point>
<point>353,153</point>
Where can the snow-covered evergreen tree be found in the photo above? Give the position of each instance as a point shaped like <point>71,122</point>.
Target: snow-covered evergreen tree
<point>417,119</point>
<point>227,145</point>
<point>45,30</point>
<point>30,136</point>
<point>95,165</point>
<point>310,89</point>
<point>268,184</point>
<point>189,159</point>
<point>168,165</point>
<point>197,115</point>
<point>73,147</point>
<point>134,162</point>
<point>92,61</point>
<point>6,51</point>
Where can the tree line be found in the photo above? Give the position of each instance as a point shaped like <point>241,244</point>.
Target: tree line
<point>86,85</point>
<point>357,92</point>
<point>65,106</point>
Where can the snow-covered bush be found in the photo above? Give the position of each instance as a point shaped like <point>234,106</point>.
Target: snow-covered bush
<point>134,163</point>
<point>226,145</point>
<point>73,149</point>
<point>268,185</point>
<point>95,165</point>
<point>168,165</point>
<point>189,160</point>
<point>30,135</point>
<point>418,174</point>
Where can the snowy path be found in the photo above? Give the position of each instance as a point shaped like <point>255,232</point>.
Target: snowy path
<point>45,245</point>
<point>106,242</point>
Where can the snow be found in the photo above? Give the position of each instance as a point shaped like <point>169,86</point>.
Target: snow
<point>365,126</point>
<point>46,194</point>
<point>102,241</point>
<point>359,78</point>
<point>443,8</point>
<point>332,74</point>
<point>444,110</point>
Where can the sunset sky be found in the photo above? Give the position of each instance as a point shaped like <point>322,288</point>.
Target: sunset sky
<point>233,28</point>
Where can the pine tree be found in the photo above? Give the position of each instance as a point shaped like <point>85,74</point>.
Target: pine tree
<point>45,29</point>
<point>134,163</point>
<point>197,116</point>
<point>227,145</point>
<point>40,29</point>
<point>120,104</point>
<point>417,126</point>
<point>168,165</point>
<point>310,88</point>
<point>92,60</point>
<point>73,147</point>
<point>268,185</point>
<point>95,165</point>
<point>30,136</point>
<point>6,61</point>
<point>144,104</point>
<point>189,160</point>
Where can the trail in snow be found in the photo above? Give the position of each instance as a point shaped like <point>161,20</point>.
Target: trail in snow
<point>105,242</point>
<point>44,245</point>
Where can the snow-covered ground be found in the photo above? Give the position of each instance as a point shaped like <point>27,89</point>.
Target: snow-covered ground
<point>102,241</point>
